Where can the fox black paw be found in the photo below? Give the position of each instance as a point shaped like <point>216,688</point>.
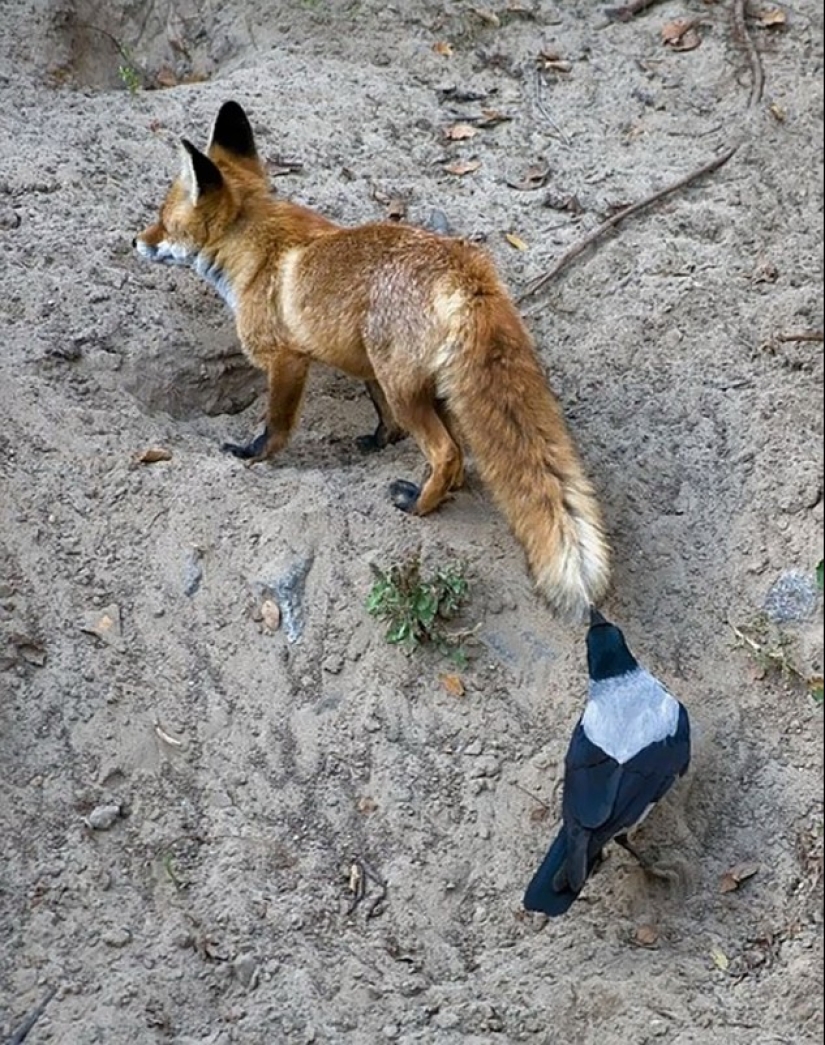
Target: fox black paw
<point>246,451</point>
<point>370,444</point>
<point>404,494</point>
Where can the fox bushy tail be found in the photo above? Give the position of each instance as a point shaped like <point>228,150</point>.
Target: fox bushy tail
<point>513,424</point>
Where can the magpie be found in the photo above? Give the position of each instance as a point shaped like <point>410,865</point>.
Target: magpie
<point>629,746</point>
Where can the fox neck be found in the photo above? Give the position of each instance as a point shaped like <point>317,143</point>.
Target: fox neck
<point>210,269</point>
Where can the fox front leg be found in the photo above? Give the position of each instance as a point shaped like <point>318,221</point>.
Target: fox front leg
<point>287,380</point>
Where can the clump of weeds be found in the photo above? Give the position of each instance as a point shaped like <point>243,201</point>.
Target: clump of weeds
<point>417,606</point>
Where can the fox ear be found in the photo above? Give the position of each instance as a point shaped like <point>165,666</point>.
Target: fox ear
<point>198,173</point>
<point>233,132</point>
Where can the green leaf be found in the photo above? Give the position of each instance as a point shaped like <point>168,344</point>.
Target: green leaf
<point>820,574</point>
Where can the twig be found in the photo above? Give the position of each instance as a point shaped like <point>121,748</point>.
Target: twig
<point>741,30</point>
<point>634,208</point>
<point>541,108</point>
<point>628,10</point>
<point>22,1031</point>
<point>530,794</point>
<point>807,335</point>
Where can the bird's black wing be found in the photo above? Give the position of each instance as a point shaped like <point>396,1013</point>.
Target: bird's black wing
<point>603,798</point>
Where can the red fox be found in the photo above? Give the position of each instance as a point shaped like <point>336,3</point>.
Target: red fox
<point>424,319</point>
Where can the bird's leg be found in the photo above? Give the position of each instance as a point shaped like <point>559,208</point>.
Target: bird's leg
<point>642,860</point>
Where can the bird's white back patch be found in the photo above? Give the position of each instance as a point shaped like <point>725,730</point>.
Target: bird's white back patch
<point>627,713</point>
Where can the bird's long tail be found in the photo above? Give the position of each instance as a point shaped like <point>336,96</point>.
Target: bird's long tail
<point>542,894</point>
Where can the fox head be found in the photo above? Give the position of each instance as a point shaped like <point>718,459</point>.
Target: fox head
<point>207,197</point>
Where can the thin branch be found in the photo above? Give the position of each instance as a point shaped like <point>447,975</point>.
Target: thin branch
<point>807,335</point>
<point>634,208</point>
<point>628,10</point>
<point>22,1031</point>
<point>741,30</point>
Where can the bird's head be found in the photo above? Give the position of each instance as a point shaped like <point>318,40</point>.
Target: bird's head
<point>607,652</point>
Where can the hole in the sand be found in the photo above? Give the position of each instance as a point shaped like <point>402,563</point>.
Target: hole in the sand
<point>136,45</point>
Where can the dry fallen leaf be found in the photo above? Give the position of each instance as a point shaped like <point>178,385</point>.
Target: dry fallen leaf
<point>538,814</point>
<point>443,48</point>
<point>166,77</point>
<point>734,876</point>
<point>366,804</point>
<point>453,685</point>
<point>153,454</point>
<point>533,178</point>
<point>460,131</point>
<point>777,112</point>
<point>462,167</point>
<point>490,117</point>
<point>490,17</point>
<point>552,61</point>
<point>720,959</point>
<point>772,18</point>
<point>270,615</point>
<point>646,935</point>
<point>515,241</point>
<point>396,209</point>
<point>681,34</point>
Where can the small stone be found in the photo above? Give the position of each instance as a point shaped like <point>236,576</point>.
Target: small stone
<point>102,817</point>
<point>246,970</point>
<point>116,937</point>
<point>390,1031</point>
<point>105,624</point>
<point>791,598</point>
<point>192,571</point>
<point>475,747</point>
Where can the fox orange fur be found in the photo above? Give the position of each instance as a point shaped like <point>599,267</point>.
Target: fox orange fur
<point>423,319</point>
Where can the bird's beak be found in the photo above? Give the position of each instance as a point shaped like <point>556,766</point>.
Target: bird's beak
<point>596,617</point>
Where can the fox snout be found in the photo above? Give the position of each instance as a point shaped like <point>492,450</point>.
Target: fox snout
<point>154,246</point>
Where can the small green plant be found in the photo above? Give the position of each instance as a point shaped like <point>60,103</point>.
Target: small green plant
<point>417,607</point>
<point>820,574</point>
<point>130,77</point>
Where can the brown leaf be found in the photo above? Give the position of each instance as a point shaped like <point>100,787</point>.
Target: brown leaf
<point>366,804</point>
<point>490,17</point>
<point>538,814</point>
<point>533,178</point>
<point>772,18</point>
<point>681,34</point>
<point>396,209</point>
<point>552,62</point>
<point>460,131</point>
<point>515,241</point>
<point>166,77</point>
<point>490,117</point>
<point>646,935</point>
<point>734,876</point>
<point>443,48</point>
<point>153,454</point>
<point>462,167</point>
<point>777,112</point>
<point>453,685</point>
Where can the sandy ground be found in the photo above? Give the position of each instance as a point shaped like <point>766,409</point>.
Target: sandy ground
<point>212,906</point>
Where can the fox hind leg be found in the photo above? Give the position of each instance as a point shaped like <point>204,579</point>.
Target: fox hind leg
<point>420,416</point>
<point>388,430</point>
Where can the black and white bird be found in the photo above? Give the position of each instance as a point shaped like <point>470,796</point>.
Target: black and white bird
<point>629,746</point>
